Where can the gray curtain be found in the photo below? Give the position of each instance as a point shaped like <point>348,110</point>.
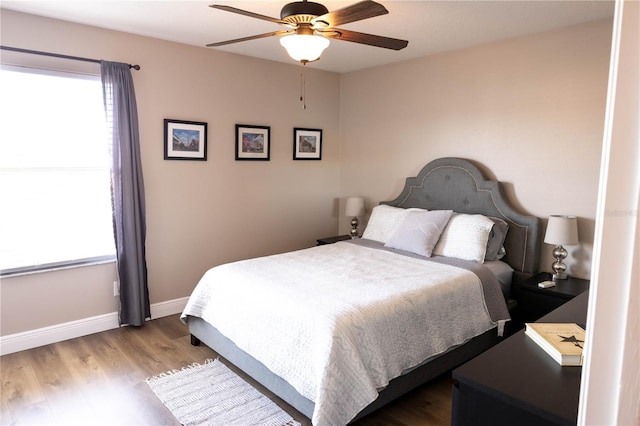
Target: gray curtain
<point>127,191</point>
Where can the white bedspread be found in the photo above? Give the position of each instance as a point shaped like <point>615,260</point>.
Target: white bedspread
<point>339,321</point>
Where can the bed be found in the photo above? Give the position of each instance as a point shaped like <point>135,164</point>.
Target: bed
<point>335,352</point>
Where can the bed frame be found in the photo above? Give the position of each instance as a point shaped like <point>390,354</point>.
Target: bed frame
<point>448,184</point>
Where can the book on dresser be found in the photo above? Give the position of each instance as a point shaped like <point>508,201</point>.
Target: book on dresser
<point>562,341</point>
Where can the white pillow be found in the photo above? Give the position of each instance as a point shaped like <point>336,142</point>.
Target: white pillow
<point>419,232</point>
<point>465,237</point>
<point>383,222</point>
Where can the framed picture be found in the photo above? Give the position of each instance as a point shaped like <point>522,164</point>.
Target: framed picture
<point>185,140</point>
<point>307,144</point>
<point>252,142</point>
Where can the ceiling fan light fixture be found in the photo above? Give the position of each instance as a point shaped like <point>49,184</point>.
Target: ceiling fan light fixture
<point>304,47</point>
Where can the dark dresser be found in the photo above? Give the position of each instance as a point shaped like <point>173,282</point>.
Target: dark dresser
<point>517,383</point>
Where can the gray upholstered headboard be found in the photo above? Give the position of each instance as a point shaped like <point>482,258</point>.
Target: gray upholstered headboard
<point>456,184</point>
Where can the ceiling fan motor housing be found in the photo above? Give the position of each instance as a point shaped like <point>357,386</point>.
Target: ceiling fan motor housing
<point>302,11</point>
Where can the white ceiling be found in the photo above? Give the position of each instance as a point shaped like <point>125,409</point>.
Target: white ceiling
<point>429,26</point>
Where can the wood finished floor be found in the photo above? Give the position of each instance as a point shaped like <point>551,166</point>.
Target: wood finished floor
<point>100,380</point>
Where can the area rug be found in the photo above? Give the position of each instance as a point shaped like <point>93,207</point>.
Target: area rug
<point>212,394</point>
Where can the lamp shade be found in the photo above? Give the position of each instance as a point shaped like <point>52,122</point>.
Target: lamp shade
<point>562,230</point>
<point>304,47</point>
<point>354,207</point>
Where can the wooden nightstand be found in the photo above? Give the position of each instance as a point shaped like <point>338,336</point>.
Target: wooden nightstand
<point>331,240</point>
<point>535,302</point>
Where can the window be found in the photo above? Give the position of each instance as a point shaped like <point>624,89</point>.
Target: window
<point>55,201</point>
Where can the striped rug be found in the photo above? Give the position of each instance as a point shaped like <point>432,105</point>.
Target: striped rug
<point>212,394</point>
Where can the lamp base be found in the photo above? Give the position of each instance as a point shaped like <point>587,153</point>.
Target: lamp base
<point>558,267</point>
<point>559,276</point>
<point>354,228</point>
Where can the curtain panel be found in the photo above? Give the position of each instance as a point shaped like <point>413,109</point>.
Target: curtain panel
<point>127,189</point>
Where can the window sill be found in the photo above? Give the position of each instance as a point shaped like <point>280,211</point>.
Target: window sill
<point>51,267</point>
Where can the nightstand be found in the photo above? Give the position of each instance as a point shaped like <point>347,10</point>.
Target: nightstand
<point>535,302</point>
<point>331,240</point>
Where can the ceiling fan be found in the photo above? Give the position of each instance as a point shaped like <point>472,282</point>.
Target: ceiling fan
<point>310,25</point>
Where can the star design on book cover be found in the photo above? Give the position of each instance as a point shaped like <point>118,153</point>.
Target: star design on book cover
<point>572,339</point>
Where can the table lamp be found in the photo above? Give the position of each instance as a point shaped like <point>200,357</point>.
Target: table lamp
<point>561,230</point>
<point>354,208</point>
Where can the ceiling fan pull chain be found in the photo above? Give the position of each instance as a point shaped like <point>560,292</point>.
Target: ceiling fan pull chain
<point>303,85</point>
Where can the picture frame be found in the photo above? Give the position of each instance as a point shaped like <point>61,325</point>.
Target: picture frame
<point>307,144</point>
<point>253,142</point>
<point>185,140</point>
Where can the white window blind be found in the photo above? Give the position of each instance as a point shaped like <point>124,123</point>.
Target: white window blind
<point>55,202</point>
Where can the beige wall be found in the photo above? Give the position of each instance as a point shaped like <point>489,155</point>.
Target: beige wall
<point>507,105</point>
<point>199,214</point>
<point>530,110</point>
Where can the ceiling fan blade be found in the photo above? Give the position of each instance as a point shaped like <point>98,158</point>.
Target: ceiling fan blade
<point>364,38</point>
<point>254,37</point>
<point>356,12</point>
<point>247,13</point>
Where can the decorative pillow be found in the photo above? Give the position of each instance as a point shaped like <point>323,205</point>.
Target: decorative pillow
<point>495,245</point>
<point>383,222</point>
<point>465,237</point>
<point>419,231</point>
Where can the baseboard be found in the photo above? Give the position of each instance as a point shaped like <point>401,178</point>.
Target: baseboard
<point>70,330</point>
<point>170,307</point>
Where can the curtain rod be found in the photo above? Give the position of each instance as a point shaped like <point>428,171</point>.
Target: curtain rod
<point>57,55</point>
